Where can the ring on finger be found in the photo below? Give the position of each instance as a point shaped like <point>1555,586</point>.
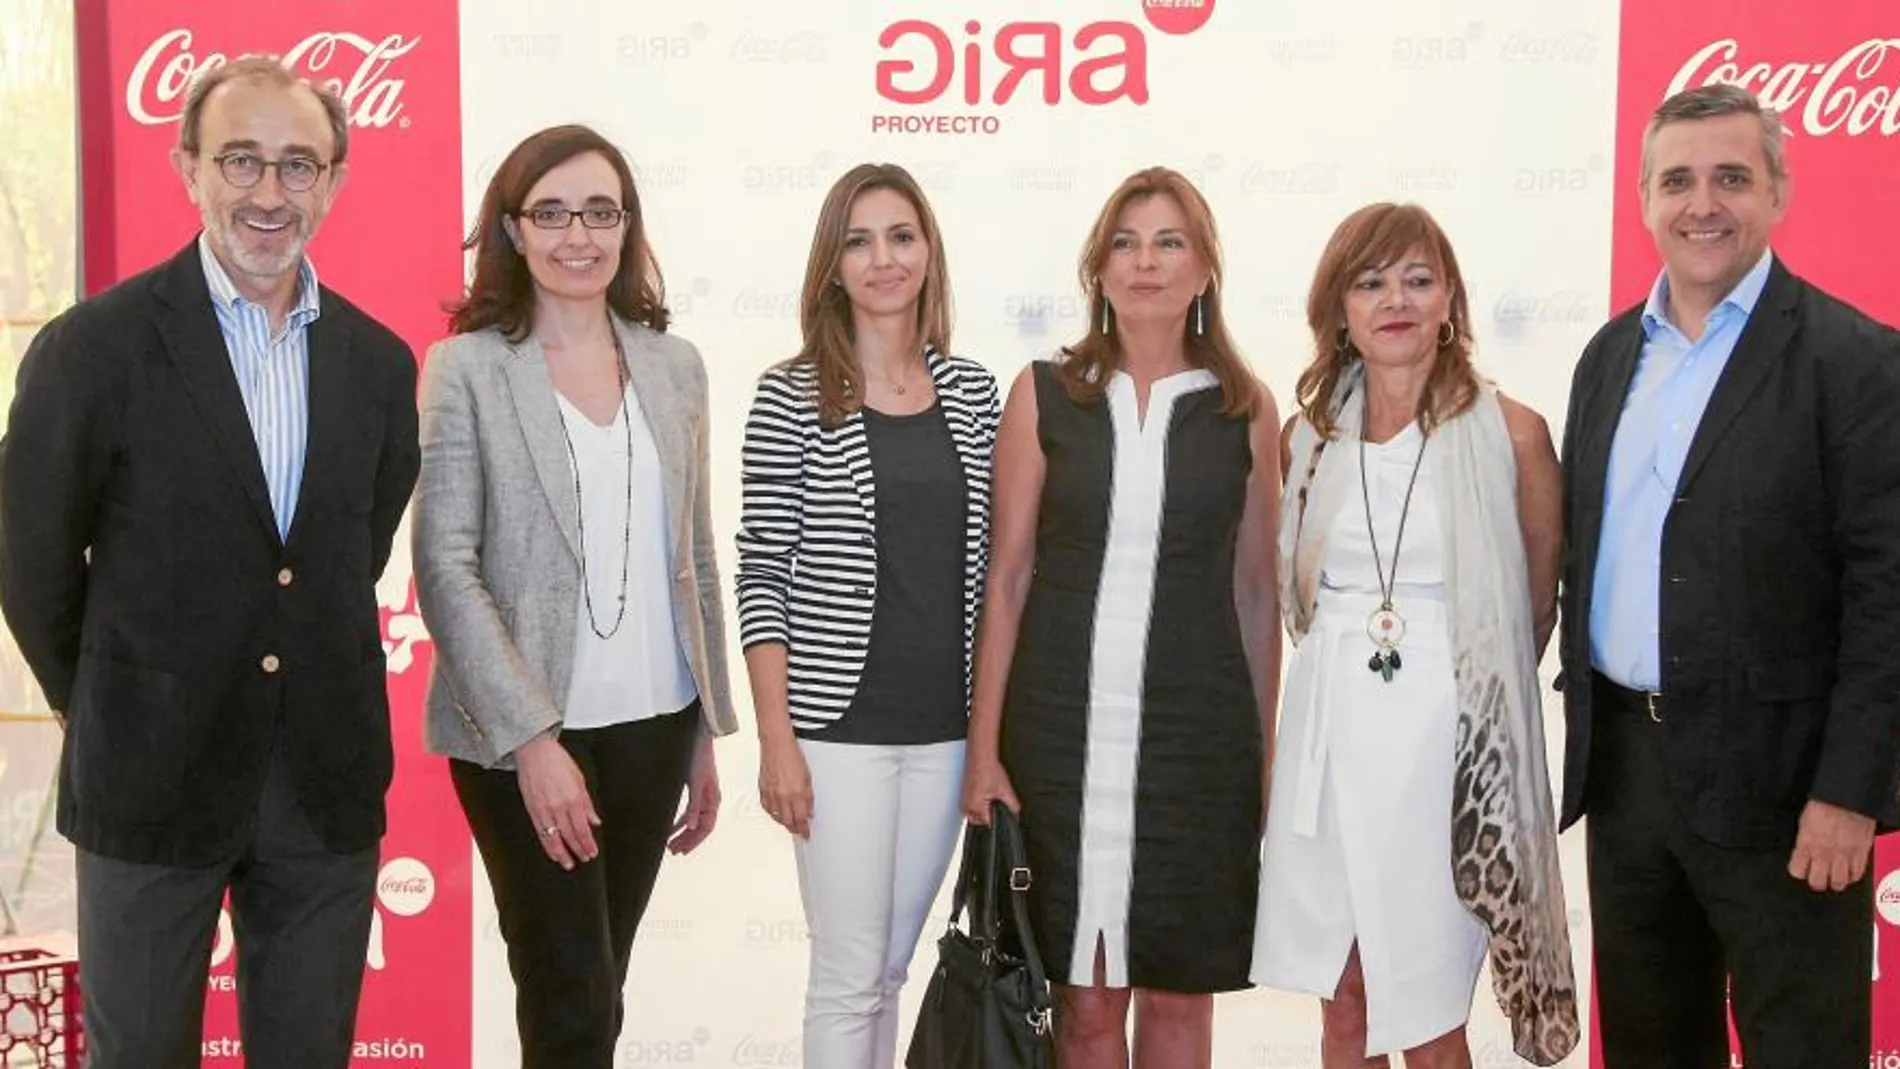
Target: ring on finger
<point>551,830</point>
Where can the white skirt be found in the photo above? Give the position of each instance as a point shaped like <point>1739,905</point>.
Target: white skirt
<point>1358,842</point>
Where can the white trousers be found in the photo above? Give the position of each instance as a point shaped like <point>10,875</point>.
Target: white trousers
<point>884,824</point>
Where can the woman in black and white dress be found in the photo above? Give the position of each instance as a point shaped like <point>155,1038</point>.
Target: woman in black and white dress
<point>1128,657</point>
<point>862,546</point>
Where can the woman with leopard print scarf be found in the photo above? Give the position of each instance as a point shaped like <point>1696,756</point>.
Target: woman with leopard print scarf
<point>1411,830</point>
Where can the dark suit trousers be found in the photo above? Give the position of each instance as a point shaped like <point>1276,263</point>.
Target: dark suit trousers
<point>570,934</point>
<point>301,917</point>
<point>1678,918</point>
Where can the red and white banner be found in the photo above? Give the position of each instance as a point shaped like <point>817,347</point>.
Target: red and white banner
<point>1834,73</point>
<point>390,247</point>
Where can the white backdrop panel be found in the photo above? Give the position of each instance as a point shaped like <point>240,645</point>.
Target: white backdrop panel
<point>1495,114</point>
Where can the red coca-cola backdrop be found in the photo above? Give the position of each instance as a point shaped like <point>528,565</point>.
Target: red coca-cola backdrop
<point>1836,80</point>
<point>396,64</point>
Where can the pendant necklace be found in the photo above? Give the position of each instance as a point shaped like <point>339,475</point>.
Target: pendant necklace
<point>626,518</point>
<point>1385,627</point>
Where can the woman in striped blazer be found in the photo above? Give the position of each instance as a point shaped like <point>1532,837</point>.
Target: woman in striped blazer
<point>862,549</point>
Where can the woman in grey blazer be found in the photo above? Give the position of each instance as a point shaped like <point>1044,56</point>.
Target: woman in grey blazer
<point>565,567</point>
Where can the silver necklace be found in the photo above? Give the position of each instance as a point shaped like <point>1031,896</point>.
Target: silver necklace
<point>1385,627</point>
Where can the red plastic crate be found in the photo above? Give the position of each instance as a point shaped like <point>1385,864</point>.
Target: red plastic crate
<point>40,1019</point>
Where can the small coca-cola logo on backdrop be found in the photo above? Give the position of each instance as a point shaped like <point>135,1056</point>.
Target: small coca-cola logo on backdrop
<point>405,886</point>
<point>1854,93</point>
<point>1887,898</point>
<point>357,68</point>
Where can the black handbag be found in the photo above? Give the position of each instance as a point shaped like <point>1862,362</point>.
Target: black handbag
<point>988,1004</point>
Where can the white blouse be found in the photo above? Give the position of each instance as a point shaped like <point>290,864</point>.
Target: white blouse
<point>640,670</point>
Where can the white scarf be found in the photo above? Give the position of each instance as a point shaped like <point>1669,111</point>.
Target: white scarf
<point>1504,834</point>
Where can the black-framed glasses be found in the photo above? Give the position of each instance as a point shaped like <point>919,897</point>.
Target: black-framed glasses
<point>559,217</point>
<point>245,169</point>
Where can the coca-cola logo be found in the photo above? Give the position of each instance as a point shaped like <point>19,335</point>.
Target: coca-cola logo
<point>356,68</point>
<point>1572,47</point>
<point>1855,93</point>
<point>405,886</point>
<point>1562,306</point>
<point>765,304</point>
<point>753,1050</point>
<point>1313,176</point>
<point>1887,898</point>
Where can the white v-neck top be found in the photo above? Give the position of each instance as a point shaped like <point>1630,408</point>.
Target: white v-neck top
<point>640,670</point>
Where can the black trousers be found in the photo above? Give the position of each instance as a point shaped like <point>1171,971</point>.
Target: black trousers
<point>570,934</point>
<point>301,918</point>
<point>1681,921</point>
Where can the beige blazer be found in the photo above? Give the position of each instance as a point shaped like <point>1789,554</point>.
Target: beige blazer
<point>497,538</point>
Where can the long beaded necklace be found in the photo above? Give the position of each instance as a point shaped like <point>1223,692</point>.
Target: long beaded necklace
<point>626,522</point>
<point>1385,627</point>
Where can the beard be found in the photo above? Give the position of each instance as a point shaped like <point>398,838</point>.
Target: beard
<point>254,253</point>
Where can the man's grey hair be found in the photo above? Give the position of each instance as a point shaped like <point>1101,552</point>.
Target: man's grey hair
<point>268,69</point>
<point>1713,102</point>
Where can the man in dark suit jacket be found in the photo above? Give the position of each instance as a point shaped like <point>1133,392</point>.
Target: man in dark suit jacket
<point>202,474</point>
<point>1731,605</point>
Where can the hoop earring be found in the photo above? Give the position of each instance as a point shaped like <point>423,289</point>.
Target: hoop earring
<point>1447,334</point>
<point>1344,344</point>
<point>1200,319</point>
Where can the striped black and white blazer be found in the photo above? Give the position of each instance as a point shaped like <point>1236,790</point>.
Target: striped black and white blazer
<point>807,531</point>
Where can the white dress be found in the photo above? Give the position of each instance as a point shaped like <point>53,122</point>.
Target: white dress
<point>1358,842</point>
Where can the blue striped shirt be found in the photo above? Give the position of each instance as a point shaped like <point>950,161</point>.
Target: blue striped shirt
<point>273,375</point>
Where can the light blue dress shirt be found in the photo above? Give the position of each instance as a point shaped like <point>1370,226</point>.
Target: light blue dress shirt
<point>1668,394</point>
<point>273,375</point>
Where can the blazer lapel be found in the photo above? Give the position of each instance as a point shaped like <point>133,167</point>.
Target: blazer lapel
<point>672,419</point>
<point>540,418</point>
<point>1600,415</point>
<point>195,345</point>
<point>856,450</point>
<point>1770,328</point>
<point>961,420</point>
<point>329,426</point>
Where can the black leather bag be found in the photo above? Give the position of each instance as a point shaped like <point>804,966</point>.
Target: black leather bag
<point>988,1004</point>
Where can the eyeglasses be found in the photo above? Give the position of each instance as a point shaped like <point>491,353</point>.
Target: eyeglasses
<point>245,169</point>
<point>557,217</point>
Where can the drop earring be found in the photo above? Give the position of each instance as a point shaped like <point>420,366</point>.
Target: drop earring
<point>1200,316</point>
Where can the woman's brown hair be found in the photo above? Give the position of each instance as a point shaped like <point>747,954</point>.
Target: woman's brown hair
<point>502,292</point>
<point>824,309</point>
<point>1373,238</point>
<point>1088,364</point>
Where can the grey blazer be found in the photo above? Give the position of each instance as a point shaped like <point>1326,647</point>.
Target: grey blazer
<point>497,539</point>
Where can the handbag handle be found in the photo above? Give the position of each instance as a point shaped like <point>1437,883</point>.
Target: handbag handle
<point>976,876</point>
<point>1007,845</point>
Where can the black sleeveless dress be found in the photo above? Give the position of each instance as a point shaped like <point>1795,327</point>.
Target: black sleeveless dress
<point>1130,730</point>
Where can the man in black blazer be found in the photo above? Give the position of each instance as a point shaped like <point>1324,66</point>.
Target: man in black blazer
<point>201,477</point>
<point>1731,604</point>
